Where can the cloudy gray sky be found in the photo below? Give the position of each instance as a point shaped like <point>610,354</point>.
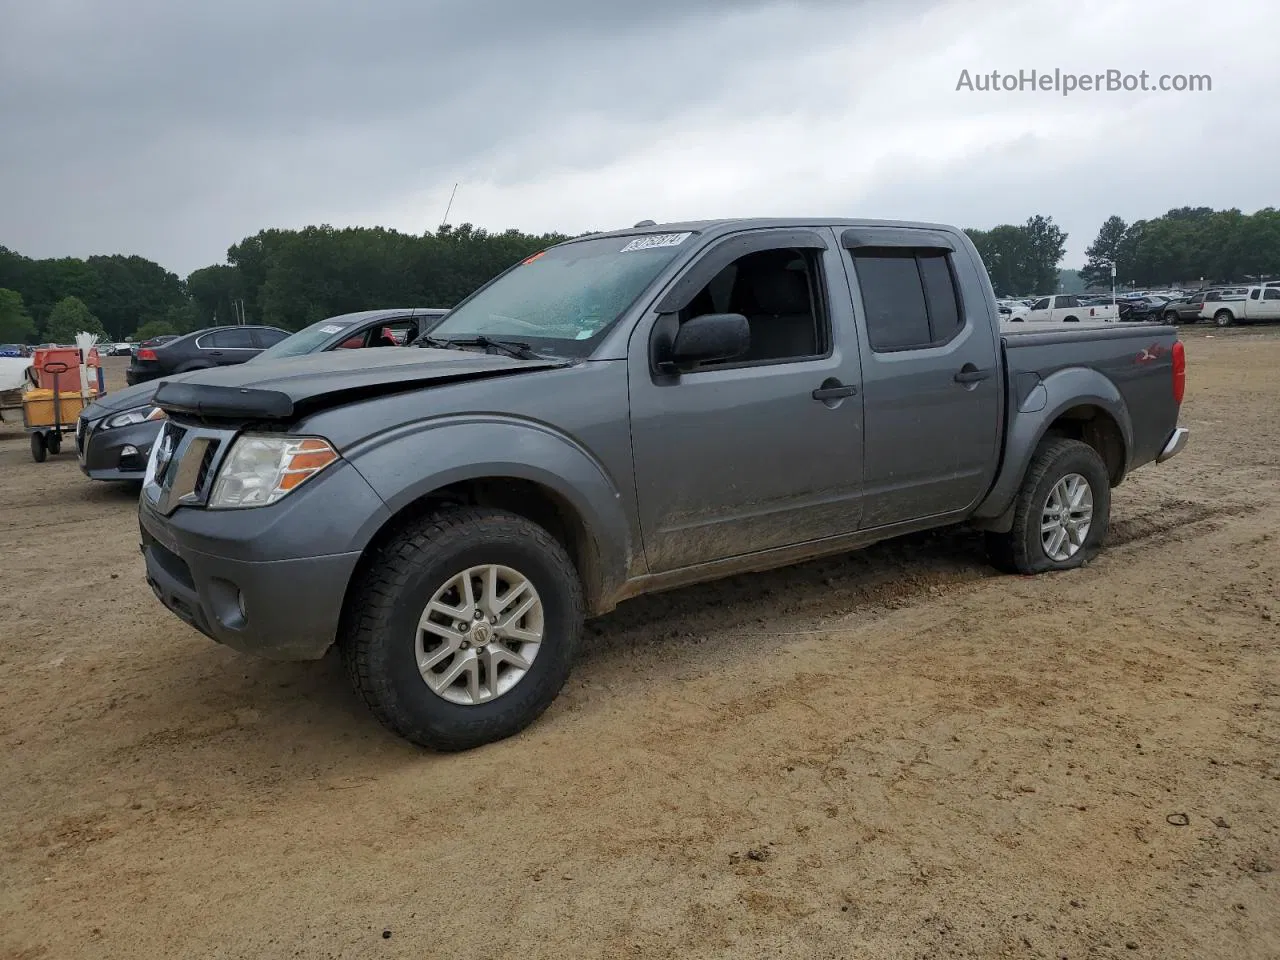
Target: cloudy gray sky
<point>173,129</point>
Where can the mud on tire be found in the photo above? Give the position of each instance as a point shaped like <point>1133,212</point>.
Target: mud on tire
<point>1023,549</point>
<point>379,635</point>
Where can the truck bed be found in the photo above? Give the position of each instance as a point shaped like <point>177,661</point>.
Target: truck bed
<point>1136,360</point>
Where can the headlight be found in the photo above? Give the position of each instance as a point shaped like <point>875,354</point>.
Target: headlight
<point>136,415</point>
<point>261,469</point>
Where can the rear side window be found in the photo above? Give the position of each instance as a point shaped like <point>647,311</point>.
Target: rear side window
<point>909,298</point>
<point>228,340</point>
<point>1271,293</point>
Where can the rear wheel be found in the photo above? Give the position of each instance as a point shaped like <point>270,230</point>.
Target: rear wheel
<point>1061,512</point>
<point>1223,318</point>
<point>54,441</point>
<point>463,627</point>
<point>39,453</point>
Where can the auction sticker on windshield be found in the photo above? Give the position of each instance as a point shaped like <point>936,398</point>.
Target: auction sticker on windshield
<point>656,240</point>
<point>331,328</point>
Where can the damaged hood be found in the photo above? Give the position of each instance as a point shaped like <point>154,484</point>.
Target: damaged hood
<point>279,389</point>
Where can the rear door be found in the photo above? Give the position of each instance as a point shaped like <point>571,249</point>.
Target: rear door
<point>931,383</point>
<point>760,452</point>
<point>224,347</point>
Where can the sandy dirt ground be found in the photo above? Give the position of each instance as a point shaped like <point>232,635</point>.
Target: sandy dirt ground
<point>894,754</point>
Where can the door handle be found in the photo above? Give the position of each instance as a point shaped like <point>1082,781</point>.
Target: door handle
<point>835,391</point>
<point>972,375</point>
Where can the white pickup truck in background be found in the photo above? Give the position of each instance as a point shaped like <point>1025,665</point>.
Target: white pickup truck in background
<point>1064,308</point>
<point>1260,303</point>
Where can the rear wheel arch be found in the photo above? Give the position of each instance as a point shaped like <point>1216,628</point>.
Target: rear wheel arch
<point>1095,426</point>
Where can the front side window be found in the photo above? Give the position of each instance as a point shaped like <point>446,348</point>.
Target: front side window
<point>563,300</point>
<point>778,292</point>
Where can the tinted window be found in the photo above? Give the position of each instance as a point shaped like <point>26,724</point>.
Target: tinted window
<point>1271,293</point>
<point>909,298</point>
<point>1041,304</point>
<point>227,340</point>
<point>1253,294</point>
<point>893,300</point>
<point>940,295</point>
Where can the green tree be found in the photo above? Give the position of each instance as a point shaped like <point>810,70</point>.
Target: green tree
<point>1021,259</point>
<point>16,325</point>
<point>1103,252</point>
<point>69,317</point>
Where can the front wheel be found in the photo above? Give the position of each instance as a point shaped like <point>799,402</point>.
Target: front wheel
<point>1061,512</point>
<point>463,627</point>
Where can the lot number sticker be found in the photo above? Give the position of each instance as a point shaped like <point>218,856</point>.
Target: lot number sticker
<point>656,240</point>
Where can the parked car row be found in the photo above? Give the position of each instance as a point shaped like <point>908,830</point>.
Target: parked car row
<point>114,435</point>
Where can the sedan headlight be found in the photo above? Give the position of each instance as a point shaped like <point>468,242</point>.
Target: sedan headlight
<point>136,415</point>
<point>260,469</point>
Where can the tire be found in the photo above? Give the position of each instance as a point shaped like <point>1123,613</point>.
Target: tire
<point>54,442</point>
<point>1171,318</point>
<point>1223,318</point>
<point>1023,549</point>
<point>39,453</point>
<point>380,635</point>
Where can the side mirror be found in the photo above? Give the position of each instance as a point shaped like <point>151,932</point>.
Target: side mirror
<point>707,338</point>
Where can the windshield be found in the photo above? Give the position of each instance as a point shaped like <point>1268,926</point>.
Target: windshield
<point>562,300</point>
<point>306,340</point>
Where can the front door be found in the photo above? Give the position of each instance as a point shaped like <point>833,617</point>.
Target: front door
<point>741,456</point>
<point>931,393</point>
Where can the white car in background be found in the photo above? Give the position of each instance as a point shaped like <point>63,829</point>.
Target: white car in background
<point>1064,308</point>
<point>1258,304</point>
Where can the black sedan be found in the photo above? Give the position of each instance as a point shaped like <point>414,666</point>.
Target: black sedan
<point>211,347</point>
<point>114,434</point>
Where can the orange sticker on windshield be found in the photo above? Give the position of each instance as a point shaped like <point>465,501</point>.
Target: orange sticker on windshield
<point>533,258</point>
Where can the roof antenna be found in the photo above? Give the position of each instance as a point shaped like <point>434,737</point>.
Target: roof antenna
<point>449,207</point>
<point>646,223</point>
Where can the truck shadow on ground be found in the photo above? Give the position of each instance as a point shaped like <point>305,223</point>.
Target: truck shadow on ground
<point>263,719</point>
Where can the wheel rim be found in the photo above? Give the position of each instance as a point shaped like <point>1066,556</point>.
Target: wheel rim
<point>1067,517</point>
<point>1224,318</point>
<point>479,634</point>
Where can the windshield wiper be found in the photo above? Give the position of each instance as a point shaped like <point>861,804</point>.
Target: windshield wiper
<point>513,348</point>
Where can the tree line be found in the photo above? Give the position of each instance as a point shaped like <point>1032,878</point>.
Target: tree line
<point>290,278</point>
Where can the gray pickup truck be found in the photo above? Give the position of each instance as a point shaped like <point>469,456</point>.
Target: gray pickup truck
<point>624,413</point>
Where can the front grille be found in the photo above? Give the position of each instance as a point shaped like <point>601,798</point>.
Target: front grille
<point>206,462</point>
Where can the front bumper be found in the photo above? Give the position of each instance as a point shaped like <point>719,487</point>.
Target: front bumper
<point>270,581</point>
<point>104,454</point>
<point>1176,443</point>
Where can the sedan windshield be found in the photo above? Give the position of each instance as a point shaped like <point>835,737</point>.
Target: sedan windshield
<point>305,340</point>
<point>562,300</point>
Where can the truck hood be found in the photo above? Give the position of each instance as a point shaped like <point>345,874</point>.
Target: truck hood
<point>284,388</point>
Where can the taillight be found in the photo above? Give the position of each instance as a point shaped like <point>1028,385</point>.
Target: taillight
<point>146,354</point>
<point>1179,372</point>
